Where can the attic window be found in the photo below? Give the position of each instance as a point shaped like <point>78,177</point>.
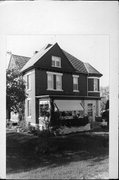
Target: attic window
<point>56,61</point>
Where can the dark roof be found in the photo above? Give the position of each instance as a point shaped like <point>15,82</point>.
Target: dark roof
<point>76,63</point>
<point>19,61</point>
<point>79,66</point>
<point>91,70</point>
<point>37,56</point>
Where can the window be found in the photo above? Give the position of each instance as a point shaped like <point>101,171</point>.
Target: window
<point>54,81</point>
<point>75,83</point>
<point>93,84</point>
<point>96,85</point>
<point>56,61</point>
<point>28,107</point>
<point>58,82</point>
<point>50,81</point>
<point>28,80</point>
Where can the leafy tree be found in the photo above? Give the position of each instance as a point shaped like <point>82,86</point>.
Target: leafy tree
<point>15,93</point>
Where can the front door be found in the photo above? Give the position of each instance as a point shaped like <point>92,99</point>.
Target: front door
<point>90,111</point>
<point>44,113</point>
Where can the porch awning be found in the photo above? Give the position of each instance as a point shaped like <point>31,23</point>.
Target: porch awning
<point>69,105</point>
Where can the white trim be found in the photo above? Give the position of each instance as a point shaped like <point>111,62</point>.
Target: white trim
<point>54,73</point>
<point>54,89</point>
<point>93,77</point>
<point>52,80</point>
<point>93,91</point>
<point>28,74</point>
<point>28,99</point>
<point>75,90</point>
<point>77,76</point>
<point>58,59</point>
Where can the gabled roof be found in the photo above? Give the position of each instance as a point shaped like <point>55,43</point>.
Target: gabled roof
<point>76,63</point>
<point>91,70</point>
<point>37,56</point>
<point>19,61</point>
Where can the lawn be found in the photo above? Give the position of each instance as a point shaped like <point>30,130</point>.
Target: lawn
<point>79,156</point>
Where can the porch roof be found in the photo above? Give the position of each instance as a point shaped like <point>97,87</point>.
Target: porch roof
<point>70,97</point>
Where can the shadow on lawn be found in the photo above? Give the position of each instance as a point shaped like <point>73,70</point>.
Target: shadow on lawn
<point>23,150</point>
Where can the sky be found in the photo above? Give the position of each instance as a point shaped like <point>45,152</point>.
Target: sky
<point>83,29</point>
<point>93,49</point>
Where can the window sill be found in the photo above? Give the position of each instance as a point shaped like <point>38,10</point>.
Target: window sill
<point>54,90</point>
<point>75,90</point>
<point>93,91</point>
<point>29,117</point>
<point>56,66</point>
<point>28,90</point>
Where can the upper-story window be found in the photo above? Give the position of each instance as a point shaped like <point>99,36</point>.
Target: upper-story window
<point>58,82</point>
<point>54,81</point>
<point>56,61</point>
<point>75,83</point>
<point>93,84</point>
<point>50,81</point>
<point>28,81</point>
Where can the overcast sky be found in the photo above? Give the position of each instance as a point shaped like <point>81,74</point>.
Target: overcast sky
<point>80,28</point>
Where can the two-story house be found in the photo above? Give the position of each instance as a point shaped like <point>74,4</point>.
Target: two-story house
<point>53,74</point>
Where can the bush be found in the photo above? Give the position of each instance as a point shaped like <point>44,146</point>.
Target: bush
<point>98,118</point>
<point>76,122</point>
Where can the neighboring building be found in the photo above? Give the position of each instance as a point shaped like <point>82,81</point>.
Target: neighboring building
<point>16,62</point>
<point>52,74</point>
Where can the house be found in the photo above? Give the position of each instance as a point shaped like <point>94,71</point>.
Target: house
<point>16,62</point>
<point>56,77</point>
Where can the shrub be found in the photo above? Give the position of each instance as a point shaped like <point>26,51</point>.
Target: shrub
<point>76,122</point>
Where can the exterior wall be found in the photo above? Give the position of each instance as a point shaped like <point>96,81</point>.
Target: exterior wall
<point>97,94</point>
<point>31,96</point>
<point>46,61</point>
<point>67,84</point>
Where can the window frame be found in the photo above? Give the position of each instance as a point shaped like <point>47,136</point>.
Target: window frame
<point>52,80</point>
<point>76,77</point>
<point>28,81</point>
<point>57,74</point>
<point>29,108</point>
<point>56,59</point>
<point>94,78</point>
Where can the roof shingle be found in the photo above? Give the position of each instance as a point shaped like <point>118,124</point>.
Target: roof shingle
<point>76,63</point>
<point>91,70</point>
<point>19,61</point>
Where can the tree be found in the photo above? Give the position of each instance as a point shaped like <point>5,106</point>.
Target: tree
<point>15,93</point>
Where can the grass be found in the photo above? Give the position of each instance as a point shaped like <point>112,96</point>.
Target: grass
<point>82,155</point>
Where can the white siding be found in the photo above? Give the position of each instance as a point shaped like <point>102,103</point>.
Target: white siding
<point>31,95</point>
